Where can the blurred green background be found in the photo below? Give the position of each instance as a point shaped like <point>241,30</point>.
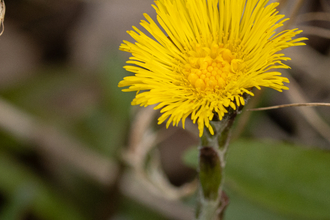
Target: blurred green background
<point>72,147</point>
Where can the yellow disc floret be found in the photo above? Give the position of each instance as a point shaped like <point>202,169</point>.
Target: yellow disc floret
<point>210,69</point>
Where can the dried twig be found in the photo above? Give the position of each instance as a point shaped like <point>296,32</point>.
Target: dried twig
<point>2,16</point>
<point>290,105</point>
<point>296,95</point>
<point>309,61</point>
<point>282,4</point>
<point>131,186</point>
<point>148,171</point>
<point>294,13</point>
<point>313,16</point>
<point>50,140</point>
<point>325,5</point>
<point>317,31</point>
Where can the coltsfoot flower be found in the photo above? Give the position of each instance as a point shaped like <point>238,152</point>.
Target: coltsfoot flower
<point>204,55</point>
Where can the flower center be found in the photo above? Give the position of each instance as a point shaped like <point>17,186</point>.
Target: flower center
<point>211,68</point>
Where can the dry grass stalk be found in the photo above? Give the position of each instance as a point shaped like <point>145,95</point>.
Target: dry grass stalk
<point>290,105</point>
<point>2,15</point>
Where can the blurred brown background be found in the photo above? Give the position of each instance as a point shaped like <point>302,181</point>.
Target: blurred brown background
<point>72,147</point>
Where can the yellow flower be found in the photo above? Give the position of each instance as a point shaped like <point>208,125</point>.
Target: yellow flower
<point>205,56</point>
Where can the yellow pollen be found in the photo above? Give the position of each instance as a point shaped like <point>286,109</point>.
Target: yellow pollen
<point>221,82</point>
<point>226,54</point>
<point>211,69</point>
<point>199,84</point>
<point>204,65</point>
<point>192,78</point>
<point>212,83</point>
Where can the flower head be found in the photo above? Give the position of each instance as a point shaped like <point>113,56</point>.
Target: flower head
<point>205,56</point>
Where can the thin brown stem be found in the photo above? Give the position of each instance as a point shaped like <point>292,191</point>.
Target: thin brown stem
<point>290,105</point>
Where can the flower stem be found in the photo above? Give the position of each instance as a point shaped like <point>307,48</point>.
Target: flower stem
<point>212,155</point>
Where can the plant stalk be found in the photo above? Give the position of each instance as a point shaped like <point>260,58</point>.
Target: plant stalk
<point>212,161</point>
